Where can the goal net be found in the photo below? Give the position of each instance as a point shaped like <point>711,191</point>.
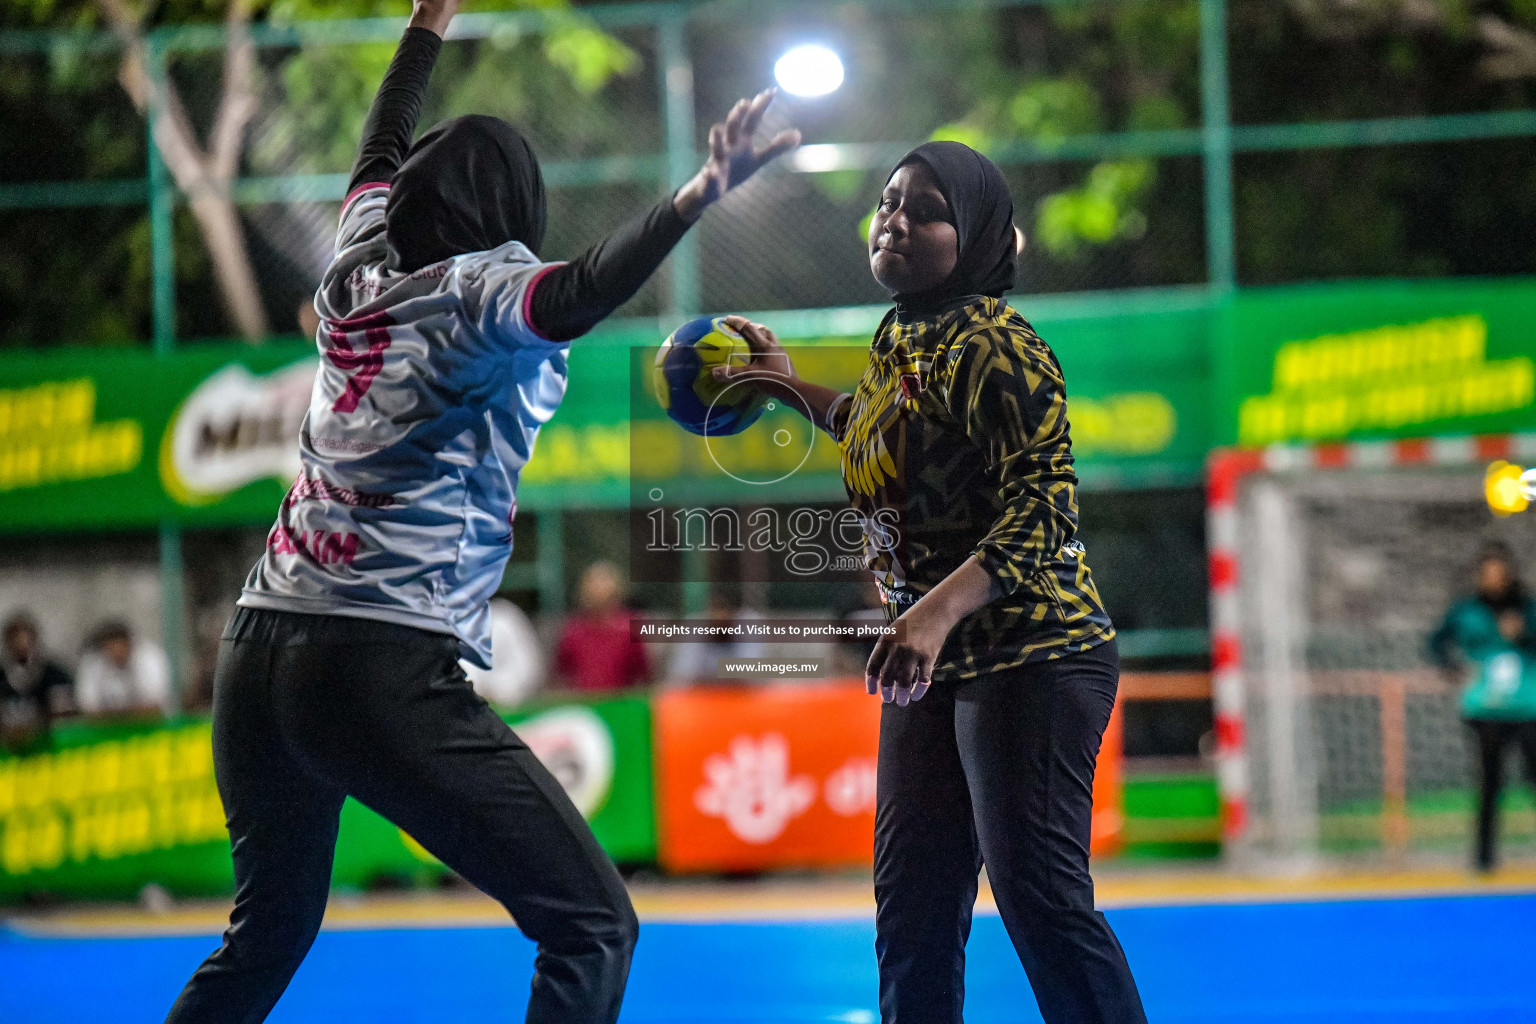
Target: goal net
<point>1331,567</point>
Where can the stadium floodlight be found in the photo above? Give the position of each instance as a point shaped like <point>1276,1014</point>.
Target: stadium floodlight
<point>809,70</point>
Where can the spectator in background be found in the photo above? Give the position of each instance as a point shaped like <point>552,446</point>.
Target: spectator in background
<point>34,690</point>
<point>1488,641</point>
<point>595,650</point>
<point>698,661</point>
<point>123,675</point>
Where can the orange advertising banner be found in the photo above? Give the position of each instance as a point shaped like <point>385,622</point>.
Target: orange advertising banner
<point>784,776</point>
<point>778,776</point>
<point>1109,788</point>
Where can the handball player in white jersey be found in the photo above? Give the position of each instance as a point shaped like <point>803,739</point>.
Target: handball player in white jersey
<point>443,343</point>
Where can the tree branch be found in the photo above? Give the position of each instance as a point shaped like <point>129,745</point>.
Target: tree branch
<point>1511,50</point>
<point>204,176</point>
<point>238,103</point>
<point>1514,50</point>
<point>174,137</point>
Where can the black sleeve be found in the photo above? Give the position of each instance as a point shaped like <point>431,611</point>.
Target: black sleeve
<point>571,299</point>
<point>391,120</point>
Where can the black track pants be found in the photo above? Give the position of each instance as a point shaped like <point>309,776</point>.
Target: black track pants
<point>997,770</point>
<point>1493,741</point>
<point>309,709</point>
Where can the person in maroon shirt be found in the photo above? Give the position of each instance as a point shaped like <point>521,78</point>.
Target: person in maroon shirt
<point>595,651</point>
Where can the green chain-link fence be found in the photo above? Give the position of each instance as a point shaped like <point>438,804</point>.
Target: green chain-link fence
<point>1110,118</point>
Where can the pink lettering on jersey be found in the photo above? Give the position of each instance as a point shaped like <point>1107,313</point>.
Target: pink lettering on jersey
<point>325,548</point>
<point>338,547</point>
<point>363,366</point>
<point>304,489</point>
<point>280,541</point>
<point>432,272</point>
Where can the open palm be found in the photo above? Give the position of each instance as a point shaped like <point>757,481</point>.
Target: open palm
<point>733,157</point>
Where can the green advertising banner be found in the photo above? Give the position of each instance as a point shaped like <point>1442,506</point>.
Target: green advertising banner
<point>111,438</point>
<point>1138,394</point>
<point>112,808</point>
<point>122,438</point>
<point>1138,381</point>
<point>1377,360</point>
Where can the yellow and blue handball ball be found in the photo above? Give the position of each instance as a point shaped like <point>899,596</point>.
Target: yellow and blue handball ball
<point>685,388</point>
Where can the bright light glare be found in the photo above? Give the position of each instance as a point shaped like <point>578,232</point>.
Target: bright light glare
<point>1505,488</point>
<point>809,70</point>
<point>825,156</point>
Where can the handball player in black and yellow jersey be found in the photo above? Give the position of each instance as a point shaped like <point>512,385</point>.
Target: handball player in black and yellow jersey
<point>1001,679</point>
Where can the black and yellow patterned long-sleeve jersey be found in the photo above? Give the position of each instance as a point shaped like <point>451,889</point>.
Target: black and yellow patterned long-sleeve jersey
<point>955,443</point>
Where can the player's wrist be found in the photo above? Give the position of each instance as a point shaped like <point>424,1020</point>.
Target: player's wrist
<point>692,199</point>
<point>433,15</point>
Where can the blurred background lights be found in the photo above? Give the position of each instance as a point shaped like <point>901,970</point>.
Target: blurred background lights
<point>809,70</point>
<point>1507,488</point>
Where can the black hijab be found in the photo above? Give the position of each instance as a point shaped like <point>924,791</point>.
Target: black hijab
<point>467,185</point>
<point>982,211</point>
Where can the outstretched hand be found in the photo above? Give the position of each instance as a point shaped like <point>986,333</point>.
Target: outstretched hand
<point>733,156</point>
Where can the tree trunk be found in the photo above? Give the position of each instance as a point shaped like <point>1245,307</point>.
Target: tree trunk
<point>204,175</point>
<point>219,222</point>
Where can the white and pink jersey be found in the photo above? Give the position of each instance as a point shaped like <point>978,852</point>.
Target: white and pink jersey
<point>431,389</point>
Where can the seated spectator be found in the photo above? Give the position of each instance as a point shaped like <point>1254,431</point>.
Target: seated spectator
<point>34,689</point>
<point>595,650</point>
<point>123,675</point>
<point>698,661</point>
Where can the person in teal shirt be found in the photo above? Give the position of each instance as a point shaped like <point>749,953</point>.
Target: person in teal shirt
<point>1489,640</point>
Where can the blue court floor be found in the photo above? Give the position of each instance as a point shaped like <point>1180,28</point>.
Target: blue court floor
<point>1440,960</point>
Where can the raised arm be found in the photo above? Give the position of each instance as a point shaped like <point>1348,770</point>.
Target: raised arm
<point>571,299</point>
<point>391,120</point>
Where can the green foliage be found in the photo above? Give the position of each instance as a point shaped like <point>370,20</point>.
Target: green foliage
<point>1050,109</point>
<point>841,185</point>
<point>588,55</point>
<point>513,74</point>
<point>991,78</point>
<point>1124,66</point>
<point>314,101</point>
<point>959,131</point>
<point>1104,209</point>
<point>327,93</point>
<point>1155,112</point>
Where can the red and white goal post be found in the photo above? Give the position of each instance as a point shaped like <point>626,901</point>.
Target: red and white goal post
<point>1329,565</point>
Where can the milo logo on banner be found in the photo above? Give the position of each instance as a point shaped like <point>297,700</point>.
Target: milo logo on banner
<point>577,748</point>
<point>233,429</point>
